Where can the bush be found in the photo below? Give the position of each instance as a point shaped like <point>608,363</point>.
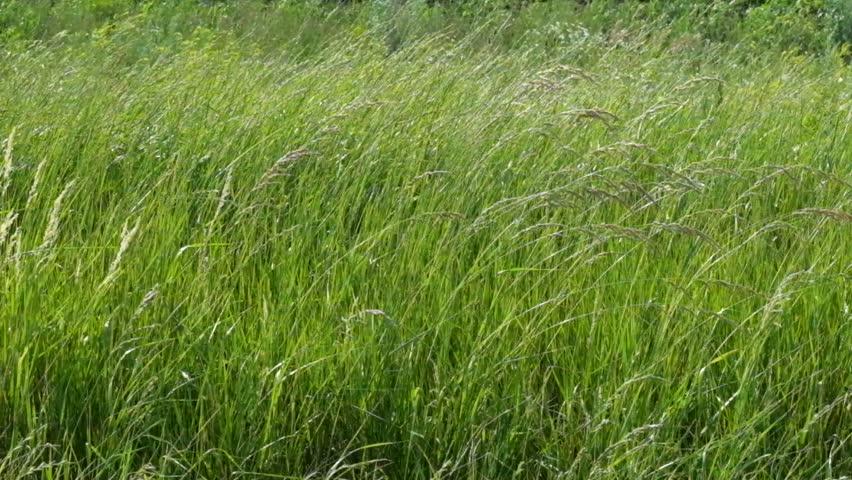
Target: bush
<point>809,26</point>
<point>840,12</point>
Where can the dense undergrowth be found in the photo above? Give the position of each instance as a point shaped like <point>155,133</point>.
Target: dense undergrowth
<point>377,241</point>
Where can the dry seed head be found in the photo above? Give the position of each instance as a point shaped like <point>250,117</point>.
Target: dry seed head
<point>833,214</point>
<point>777,171</point>
<point>147,300</point>
<point>52,230</point>
<point>36,183</point>
<point>280,167</point>
<point>543,83</point>
<point>146,472</point>
<point>126,238</point>
<point>680,229</point>
<point>604,196</point>
<point>6,226</point>
<point>226,191</point>
<point>6,174</point>
<point>592,113</point>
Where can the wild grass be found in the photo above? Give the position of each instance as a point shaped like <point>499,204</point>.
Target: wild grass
<point>589,255</point>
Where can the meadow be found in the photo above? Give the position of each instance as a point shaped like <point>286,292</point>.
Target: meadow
<point>255,240</point>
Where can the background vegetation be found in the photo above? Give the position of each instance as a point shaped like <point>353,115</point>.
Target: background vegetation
<point>394,240</point>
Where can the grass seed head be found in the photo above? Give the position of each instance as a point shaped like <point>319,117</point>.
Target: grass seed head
<point>6,226</point>
<point>33,194</point>
<point>51,233</point>
<point>127,235</point>
<point>6,173</point>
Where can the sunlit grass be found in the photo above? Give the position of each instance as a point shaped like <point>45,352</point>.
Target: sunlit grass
<point>607,256</point>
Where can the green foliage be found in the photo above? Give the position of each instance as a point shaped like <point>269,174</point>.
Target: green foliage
<point>812,26</point>
<point>299,240</point>
<point>841,19</point>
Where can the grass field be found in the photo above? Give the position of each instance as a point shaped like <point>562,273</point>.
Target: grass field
<point>281,242</point>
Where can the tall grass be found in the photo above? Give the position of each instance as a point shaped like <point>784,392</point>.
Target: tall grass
<point>576,254</point>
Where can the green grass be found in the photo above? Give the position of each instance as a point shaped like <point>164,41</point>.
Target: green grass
<point>522,248</point>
